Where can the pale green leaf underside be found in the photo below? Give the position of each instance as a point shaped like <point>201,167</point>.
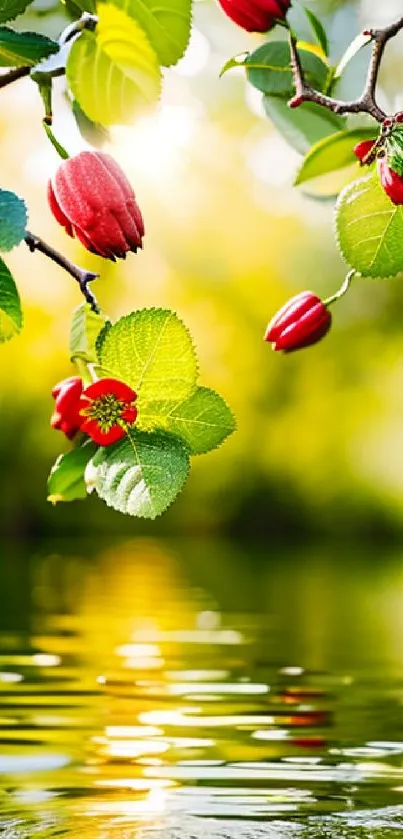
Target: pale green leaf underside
<point>13,220</point>
<point>85,328</point>
<point>9,9</point>
<point>303,126</point>
<point>114,72</point>
<point>141,475</point>
<point>22,48</point>
<point>370,229</point>
<point>66,479</point>
<point>203,420</point>
<point>152,351</point>
<point>166,23</point>
<point>10,307</point>
<point>332,153</point>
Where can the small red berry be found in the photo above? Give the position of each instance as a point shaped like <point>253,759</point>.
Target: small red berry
<point>92,199</point>
<point>302,321</point>
<point>391,182</point>
<point>255,15</point>
<point>66,416</point>
<point>362,149</point>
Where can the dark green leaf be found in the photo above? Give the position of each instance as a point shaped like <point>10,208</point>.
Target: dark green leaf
<point>9,9</point>
<point>18,49</point>
<point>13,220</point>
<point>319,30</point>
<point>66,480</point>
<point>10,306</point>
<point>302,127</point>
<point>269,69</point>
<point>141,475</point>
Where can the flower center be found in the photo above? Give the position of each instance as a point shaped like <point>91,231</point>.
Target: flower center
<point>107,411</point>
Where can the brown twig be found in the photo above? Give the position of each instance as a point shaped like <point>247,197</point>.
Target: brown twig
<point>83,277</point>
<point>13,75</point>
<point>367,101</point>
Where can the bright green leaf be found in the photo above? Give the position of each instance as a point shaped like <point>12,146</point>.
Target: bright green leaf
<point>85,328</point>
<point>23,48</point>
<point>332,153</point>
<point>359,42</point>
<point>269,69</point>
<point>113,72</point>
<point>165,22</point>
<point>141,475</point>
<point>236,61</point>
<point>370,229</point>
<point>66,479</point>
<point>203,420</point>
<point>10,306</point>
<point>13,220</point>
<point>152,351</point>
<point>319,30</point>
<point>303,126</point>
<point>9,9</point>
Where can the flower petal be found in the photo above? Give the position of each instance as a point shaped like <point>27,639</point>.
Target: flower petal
<point>102,387</point>
<point>91,427</point>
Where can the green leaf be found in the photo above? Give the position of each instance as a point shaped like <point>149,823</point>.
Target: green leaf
<point>141,475</point>
<point>21,48</point>
<point>319,30</point>
<point>165,22</point>
<point>332,153</point>
<point>93,132</point>
<point>85,328</point>
<point>236,61</point>
<point>152,351</point>
<point>75,7</point>
<point>9,9</point>
<point>359,42</point>
<point>13,220</point>
<point>203,421</point>
<point>269,69</point>
<point>10,306</point>
<point>370,229</point>
<point>66,480</point>
<point>303,126</point>
<point>113,72</point>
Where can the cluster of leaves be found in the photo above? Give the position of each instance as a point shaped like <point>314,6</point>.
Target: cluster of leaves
<point>152,351</point>
<point>13,220</point>
<point>369,226</point>
<point>112,56</point>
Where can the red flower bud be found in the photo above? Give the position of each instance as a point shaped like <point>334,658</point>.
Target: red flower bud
<point>106,410</point>
<point>91,198</point>
<point>362,149</point>
<point>66,416</point>
<point>256,15</point>
<point>303,321</point>
<point>391,181</point>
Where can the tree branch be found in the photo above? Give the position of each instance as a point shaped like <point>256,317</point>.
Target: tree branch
<point>83,277</point>
<point>367,101</point>
<point>13,75</point>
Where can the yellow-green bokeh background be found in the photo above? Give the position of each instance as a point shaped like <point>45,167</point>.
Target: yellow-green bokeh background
<point>228,239</point>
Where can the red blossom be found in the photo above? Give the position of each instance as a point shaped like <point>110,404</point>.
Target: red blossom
<point>66,416</point>
<point>362,150</point>
<point>106,410</point>
<point>255,15</point>
<point>391,182</point>
<point>303,321</point>
<point>92,199</point>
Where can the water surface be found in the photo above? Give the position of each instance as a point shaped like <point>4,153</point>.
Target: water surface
<point>200,689</point>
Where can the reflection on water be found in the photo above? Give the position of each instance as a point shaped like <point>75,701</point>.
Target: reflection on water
<point>157,679</point>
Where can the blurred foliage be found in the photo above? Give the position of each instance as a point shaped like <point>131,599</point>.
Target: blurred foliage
<point>228,240</point>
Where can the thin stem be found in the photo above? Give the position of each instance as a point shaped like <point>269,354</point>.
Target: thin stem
<point>343,288</point>
<point>13,75</point>
<point>367,101</point>
<point>83,277</point>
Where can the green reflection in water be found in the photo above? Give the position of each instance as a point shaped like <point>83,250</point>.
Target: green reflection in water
<point>163,680</point>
